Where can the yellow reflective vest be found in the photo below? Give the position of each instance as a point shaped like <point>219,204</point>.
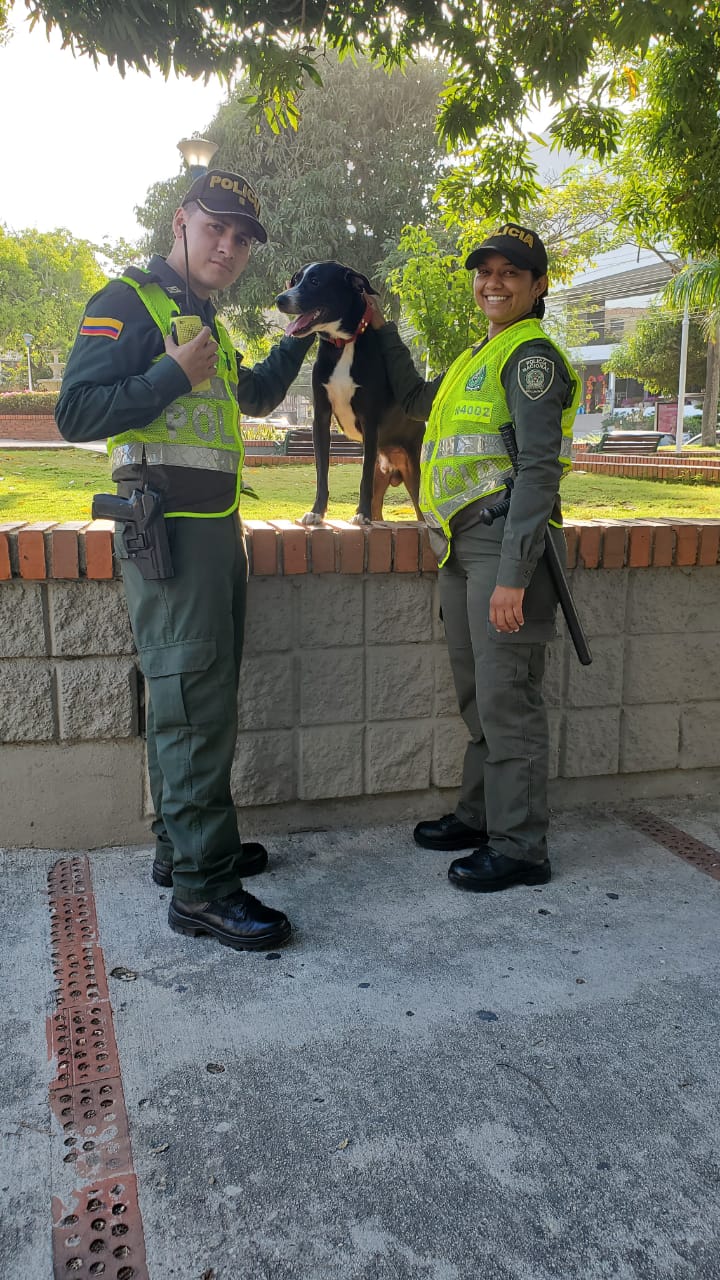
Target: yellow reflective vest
<point>201,428</point>
<point>463,458</point>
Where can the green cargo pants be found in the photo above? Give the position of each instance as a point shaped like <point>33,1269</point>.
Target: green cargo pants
<point>189,634</point>
<point>498,681</point>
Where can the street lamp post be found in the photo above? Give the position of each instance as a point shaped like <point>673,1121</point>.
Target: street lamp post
<point>197,154</point>
<point>28,340</point>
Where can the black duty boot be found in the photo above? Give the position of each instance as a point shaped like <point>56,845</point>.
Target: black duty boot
<point>239,921</point>
<point>253,860</point>
<point>446,834</point>
<point>486,872</point>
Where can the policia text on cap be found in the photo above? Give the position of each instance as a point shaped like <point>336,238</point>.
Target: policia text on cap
<point>170,413</point>
<point>498,601</point>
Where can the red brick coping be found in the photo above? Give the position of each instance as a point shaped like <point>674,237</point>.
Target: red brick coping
<point>705,471</point>
<point>46,550</point>
<point>696,464</point>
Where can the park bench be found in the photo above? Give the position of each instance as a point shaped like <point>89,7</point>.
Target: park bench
<point>298,443</point>
<point>628,442</point>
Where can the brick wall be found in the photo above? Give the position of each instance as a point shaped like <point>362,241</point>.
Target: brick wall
<point>347,709</point>
<point>694,465</point>
<point>634,468</point>
<point>28,426</point>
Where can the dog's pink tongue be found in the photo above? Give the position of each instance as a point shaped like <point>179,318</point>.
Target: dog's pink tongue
<point>300,322</point>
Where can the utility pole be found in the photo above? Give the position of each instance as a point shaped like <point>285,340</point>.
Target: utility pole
<point>680,423</point>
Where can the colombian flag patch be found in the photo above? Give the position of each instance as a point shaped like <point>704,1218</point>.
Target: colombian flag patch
<point>101,327</point>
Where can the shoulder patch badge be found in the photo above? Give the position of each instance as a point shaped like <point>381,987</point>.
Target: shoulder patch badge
<point>101,327</point>
<point>535,376</point>
<point>476,380</point>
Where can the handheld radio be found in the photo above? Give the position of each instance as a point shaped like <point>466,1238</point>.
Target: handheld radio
<point>185,328</point>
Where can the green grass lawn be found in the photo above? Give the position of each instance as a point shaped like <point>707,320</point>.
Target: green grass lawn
<point>58,484</point>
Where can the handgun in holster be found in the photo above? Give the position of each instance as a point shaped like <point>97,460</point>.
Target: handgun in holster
<point>144,532</point>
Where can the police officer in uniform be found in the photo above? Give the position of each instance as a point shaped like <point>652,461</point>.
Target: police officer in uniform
<point>497,599</point>
<point>170,412</point>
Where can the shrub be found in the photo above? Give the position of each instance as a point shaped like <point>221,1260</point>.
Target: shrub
<point>635,419</point>
<point>28,402</point>
<point>261,431</point>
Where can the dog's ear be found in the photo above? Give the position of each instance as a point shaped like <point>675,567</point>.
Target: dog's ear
<point>359,282</point>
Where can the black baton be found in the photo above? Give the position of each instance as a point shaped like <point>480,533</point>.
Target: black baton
<point>552,559</point>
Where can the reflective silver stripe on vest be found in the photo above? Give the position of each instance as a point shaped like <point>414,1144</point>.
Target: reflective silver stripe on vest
<point>474,446</point>
<point>491,482</point>
<point>174,455</point>
<point>478,446</point>
<point>431,520</point>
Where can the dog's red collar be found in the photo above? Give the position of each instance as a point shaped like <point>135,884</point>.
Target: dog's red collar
<point>345,342</point>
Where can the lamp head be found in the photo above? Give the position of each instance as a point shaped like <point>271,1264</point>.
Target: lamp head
<point>197,154</point>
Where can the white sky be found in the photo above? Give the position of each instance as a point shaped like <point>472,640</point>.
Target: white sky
<point>80,147</point>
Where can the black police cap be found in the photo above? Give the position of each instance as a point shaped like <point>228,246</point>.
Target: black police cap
<point>219,191</point>
<point>519,245</point>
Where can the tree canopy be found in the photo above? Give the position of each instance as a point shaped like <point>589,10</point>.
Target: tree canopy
<point>362,162</point>
<point>652,353</point>
<point>674,137</point>
<point>435,291</point>
<point>45,281</point>
<point>679,148</point>
<point>503,58</point>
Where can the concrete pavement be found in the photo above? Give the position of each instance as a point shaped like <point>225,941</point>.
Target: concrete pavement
<point>95,446</point>
<point>425,1085</point>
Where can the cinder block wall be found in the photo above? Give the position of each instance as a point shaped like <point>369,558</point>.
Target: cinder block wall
<point>347,709</point>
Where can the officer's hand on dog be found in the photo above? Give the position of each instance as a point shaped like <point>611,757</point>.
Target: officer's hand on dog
<point>376,317</point>
<point>198,358</point>
<point>506,612</point>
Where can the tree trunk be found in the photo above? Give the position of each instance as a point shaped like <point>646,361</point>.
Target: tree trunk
<point>712,389</point>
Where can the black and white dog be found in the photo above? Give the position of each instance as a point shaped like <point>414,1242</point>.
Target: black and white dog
<point>349,381</point>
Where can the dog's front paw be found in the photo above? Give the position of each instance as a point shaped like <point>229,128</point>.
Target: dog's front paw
<point>359,518</point>
<point>312,518</point>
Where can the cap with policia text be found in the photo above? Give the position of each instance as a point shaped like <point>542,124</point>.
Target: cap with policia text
<point>523,248</point>
<point>218,191</point>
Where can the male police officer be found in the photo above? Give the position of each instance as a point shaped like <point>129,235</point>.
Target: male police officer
<point>171,415</point>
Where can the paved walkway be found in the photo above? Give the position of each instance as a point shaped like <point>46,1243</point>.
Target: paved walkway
<point>96,446</point>
<point>425,1085</point>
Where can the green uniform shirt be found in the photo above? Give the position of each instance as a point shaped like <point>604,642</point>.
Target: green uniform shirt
<point>538,429</point>
<point>111,384</point>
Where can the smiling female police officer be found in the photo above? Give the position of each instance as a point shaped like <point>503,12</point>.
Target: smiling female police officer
<point>127,379</point>
<point>497,600</point>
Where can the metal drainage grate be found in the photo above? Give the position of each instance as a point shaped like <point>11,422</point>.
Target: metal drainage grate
<point>97,1228</point>
<point>679,842</point>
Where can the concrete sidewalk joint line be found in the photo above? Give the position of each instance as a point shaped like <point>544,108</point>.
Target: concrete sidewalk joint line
<point>702,856</point>
<point>97,1228</point>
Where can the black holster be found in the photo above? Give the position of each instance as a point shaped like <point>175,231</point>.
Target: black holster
<point>144,532</point>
